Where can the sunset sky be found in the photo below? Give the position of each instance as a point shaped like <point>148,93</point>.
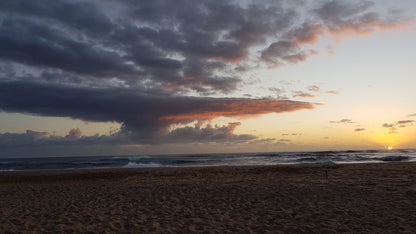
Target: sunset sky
<point>103,77</point>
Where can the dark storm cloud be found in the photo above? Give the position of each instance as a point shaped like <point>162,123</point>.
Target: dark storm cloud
<point>27,42</point>
<point>143,115</point>
<point>120,104</point>
<point>169,44</point>
<point>336,10</point>
<point>78,15</point>
<point>129,61</point>
<point>282,52</point>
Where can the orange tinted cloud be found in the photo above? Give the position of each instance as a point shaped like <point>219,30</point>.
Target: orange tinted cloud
<point>307,34</point>
<point>342,31</point>
<point>237,108</point>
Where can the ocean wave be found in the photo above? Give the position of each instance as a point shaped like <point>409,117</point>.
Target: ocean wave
<point>207,160</point>
<point>393,158</point>
<point>307,159</point>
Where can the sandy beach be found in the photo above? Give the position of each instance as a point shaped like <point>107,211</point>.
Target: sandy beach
<point>356,198</point>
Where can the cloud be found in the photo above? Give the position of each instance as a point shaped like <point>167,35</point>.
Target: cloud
<point>145,116</point>
<point>399,124</point>
<point>179,46</point>
<point>292,134</point>
<point>221,134</point>
<point>283,141</point>
<point>405,122</point>
<point>412,115</point>
<point>263,141</point>
<point>209,134</point>
<point>152,65</point>
<point>359,129</point>
<point>312,91</point>
<point>335,18</point>
<point>308,33</point>
<point>302,94</point>
<point>314,88</point>
<point>183,45</point>
<point>23,142</point>
<point>386,125</point>
<point>279,92</point>
<point>36,135</point>
<point>343,121</point>
<point>343,18</point>
<point>333,92</point>
<point>283,52</point>
<point>74,133</point>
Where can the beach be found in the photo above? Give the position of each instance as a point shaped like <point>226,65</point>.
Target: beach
<point>342,198</point>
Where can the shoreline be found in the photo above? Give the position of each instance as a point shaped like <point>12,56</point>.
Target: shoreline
<point>364,197</point>
<point>104,172</point>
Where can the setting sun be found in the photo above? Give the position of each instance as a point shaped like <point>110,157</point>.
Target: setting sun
<point>389,148</point>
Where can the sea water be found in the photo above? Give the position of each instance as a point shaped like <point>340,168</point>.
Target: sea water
<point>207,160</point>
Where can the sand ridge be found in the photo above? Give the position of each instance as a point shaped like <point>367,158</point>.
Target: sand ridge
<point>358,198</point>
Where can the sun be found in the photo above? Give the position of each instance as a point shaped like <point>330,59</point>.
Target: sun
<point>389,147</point>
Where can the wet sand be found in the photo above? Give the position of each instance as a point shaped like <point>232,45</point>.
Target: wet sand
<point>359,198</point>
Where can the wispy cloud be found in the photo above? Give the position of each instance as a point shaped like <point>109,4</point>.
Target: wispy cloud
<point>291,134</point>
<point>283,141</point>
<point>343,121</point>
<point>333,92</point>
<point>303,94</point>
<point>399,124</point>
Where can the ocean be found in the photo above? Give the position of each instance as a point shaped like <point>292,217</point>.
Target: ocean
<point>206,160</point>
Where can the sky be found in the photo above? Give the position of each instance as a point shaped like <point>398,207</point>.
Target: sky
<point>104,77</point>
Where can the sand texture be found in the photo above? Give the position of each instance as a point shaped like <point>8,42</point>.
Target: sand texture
<point>360,198</point>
